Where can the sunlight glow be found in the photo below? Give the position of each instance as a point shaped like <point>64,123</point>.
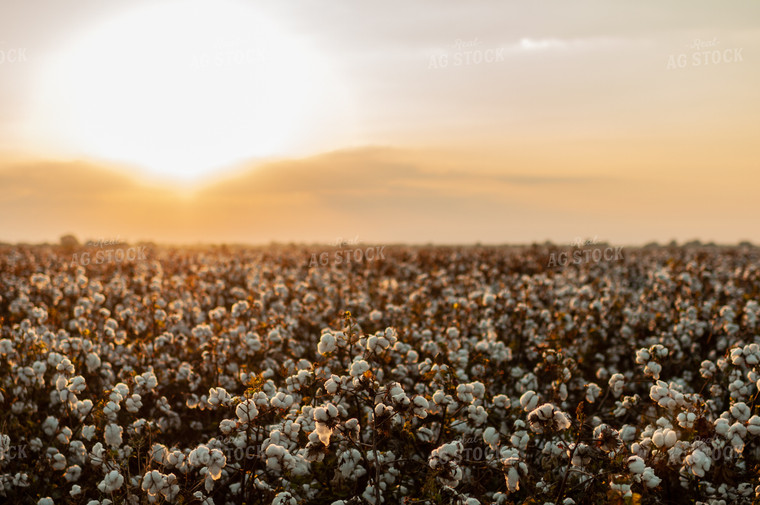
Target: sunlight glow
<point>185,88</point>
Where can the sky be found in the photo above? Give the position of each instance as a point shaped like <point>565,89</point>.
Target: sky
<point>447,122</point>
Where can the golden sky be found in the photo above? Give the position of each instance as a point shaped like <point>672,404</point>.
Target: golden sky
<point>445,122</point>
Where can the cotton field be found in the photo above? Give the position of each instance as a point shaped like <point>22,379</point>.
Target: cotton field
<point>429,375</point>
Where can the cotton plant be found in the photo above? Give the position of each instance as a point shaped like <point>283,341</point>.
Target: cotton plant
<point>112,371</point>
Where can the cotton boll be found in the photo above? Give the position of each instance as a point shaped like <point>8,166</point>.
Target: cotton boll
<point>528,401</point>
<point>133,403</point>
<point>740,411</point>
<point>502,401</point>
<point>324,433</point>
<point>358,368</point>
<point>617,384</point>
<point>753,425</point>
<point>50,425</point>
<point>326,344</point>
<point>670,438</point>
<point>686,420</point>
<point>113,434</point>
<point>698,462</point>
<point>153,482</point>
<point>111,482</point>
<point>592,392</point>
<point>491,437</point>
<point>649,478</point>
<point>246,411</point>
<point>59,462</point>
<point>216,462</point>
<point>636,465</point>
<point>88,431</point>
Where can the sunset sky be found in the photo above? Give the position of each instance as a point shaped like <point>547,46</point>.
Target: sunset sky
<point>497,122</point>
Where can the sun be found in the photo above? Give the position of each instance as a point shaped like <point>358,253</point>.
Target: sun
<point>182,89</point>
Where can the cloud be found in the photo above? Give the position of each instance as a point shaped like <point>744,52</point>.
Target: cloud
<point>376,189</point>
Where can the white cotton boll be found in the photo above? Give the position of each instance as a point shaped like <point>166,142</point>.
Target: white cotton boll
<point>246,411</point>
<point>122,389</point>
<point>721,426</point>
<point>75,490</point>
<point>649,478</point>
<point>545,411</point>
<point>45,501</point>
<point>284,498</point>
<point>439,397</point>
<point>502,401</point>
<point>670,438</point>
<point>326,344</point>
<point>491,437</point>
<point>653,368</point>
<point>642,356</point>
<point>253,342</point>
<point>686,419</point>
<point>77,384</point>
<point>736,434</point>
<point>324,433</point>
<point>88,431</point>
<point>740,411</point>
<point>478,415</point>
<point>73,473</point>
<point>64,437</point>
<point>158,453</point>
<point>216,462</point>
<point>199,456</point>
<point>111,482</point>
<point>464,393</point>
<point>146,381</point>
<point>320,414</point>
<point>627,433</point>
<point>134,403</point>
<point>175,459</point>
<point>358,368</point>
<point>561,420</point>
<point>636,465</point>
<point>50,425</point>
<point>592,392</point>
<point>520,439</point>
<point>153,482</point>
<point>113,434</point>
<point>698,462</point>
<point>59,461</point>
<point>513,480</point>
<point>617,384</point>
<point>478,389</point>
<point>6,347</point>
<point>753,425</point>
<point>529,400</point>
<point>658,439</point>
